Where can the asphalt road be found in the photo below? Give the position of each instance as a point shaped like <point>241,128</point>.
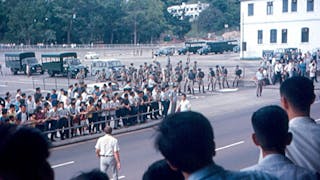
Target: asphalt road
<point>229,113</point>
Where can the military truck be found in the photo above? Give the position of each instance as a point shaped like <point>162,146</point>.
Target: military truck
<point>65,64</point>
<point>19,61</point>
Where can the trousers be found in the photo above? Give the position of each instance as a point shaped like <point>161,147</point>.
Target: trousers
<point>106,162</point>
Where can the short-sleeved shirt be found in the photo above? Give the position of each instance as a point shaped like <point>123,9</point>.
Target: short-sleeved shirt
<point>107,145</point>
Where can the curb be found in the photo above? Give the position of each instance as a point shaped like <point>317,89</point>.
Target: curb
<point>149,124</point>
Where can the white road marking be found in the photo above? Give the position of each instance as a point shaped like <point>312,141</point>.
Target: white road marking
<point>230,145</point>
<point>62,164</point>
<point>317,120</point>
<point>120,177</point>
<point>2,85</point>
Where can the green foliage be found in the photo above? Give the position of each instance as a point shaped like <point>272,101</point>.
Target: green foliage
<point>103,21</point>
<point>219,13</point>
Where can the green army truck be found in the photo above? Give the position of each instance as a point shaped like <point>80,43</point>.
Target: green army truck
<point>19,62</point>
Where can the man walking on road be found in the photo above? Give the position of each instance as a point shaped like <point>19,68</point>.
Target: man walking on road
<point>107,149</point>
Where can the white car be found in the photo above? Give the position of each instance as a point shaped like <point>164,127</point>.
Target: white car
<point>91,55</point>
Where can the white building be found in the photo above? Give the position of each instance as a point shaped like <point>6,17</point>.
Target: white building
<point>191,10</point>
<point>276,24</point>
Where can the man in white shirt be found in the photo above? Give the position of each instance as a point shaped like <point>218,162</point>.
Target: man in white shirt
<point>271,134</point>
<point>297,95</point>
<point>278,69</point>
<point>260,78</point>
<point>107,149</point>
<point>184,104</point>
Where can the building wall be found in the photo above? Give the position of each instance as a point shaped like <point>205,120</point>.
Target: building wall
<point>191,10</point>
<point>292,21</point>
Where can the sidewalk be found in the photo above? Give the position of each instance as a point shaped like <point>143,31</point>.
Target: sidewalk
<point>148,124</point>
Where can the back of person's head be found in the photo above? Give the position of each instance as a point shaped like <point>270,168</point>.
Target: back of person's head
<point>161,170</point>
<point>270,124</point>
<point>299,92</point>
<point>186,140</point>
<point>108,130</point>
<point>23,154</point>
<point>94,174</point>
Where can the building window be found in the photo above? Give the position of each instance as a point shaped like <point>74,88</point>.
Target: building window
<point>250,9</point>
<point>284,36</point>
<point>260,36</point>
<point>310,5</point>
<point>305,34</point>
<point>284,5</point>
<point>294,5</point>
<point>273,36</point>
<point>269,7</point>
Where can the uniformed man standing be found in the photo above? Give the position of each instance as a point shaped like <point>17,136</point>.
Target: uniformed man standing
<point>200,76</point>
<point>224,76</point>
<point>237,73</point>
<point>191,78</point>
<point>218,77</point>
<point>107,150</point>
<point>211,77</point>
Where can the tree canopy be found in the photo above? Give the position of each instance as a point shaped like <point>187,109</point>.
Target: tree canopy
<point>105,21</point>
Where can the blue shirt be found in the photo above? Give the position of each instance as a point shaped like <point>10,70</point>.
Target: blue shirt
<point>281,167</point>
<point>216,172</point>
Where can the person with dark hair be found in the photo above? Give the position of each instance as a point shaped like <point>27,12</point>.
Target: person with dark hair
<point>53,117</point>
<point>297,95</point>
<point>107,150</point>
<point>90,111</point>
<point>4,116</point>
<point>161,170</point>
<point>259,78</point>
<point>186,140</point>
<point>184,104</point>
<point>94,174</point>
<point>32,163</point>
<point>22,116</point>
<point>270,125</point>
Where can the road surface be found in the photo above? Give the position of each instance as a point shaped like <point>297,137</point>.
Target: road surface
<point>228,113</point>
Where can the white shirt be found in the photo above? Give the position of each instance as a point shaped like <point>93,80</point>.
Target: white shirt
<point>304,149</point>
<point>281,167</point>
<point>107,145</point>
<point>185,106</point>
<point>259,75</point>
<point>278,68</point>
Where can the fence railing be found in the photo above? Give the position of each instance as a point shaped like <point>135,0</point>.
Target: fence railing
<point>74,127</point>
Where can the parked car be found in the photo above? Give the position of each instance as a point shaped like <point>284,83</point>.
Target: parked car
<point>166,51</point>
<point>204,50</point>
<point>18,62</point>
<point>182,50</point>
<point>108,66</point>
<point>91,55</point>
<point>115,87</point>
<point>236,49</point>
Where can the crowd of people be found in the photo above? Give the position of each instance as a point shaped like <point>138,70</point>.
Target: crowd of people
<point>147,92</point>
<point>275,70</point>
<point>287,136</point>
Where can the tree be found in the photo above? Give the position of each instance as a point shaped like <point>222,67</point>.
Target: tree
<point>3,20</point>
<point>26,21</point>
<point>219,13</point>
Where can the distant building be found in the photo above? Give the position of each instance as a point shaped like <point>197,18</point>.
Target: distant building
<point>191,10</point>
<point>278,24</point>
